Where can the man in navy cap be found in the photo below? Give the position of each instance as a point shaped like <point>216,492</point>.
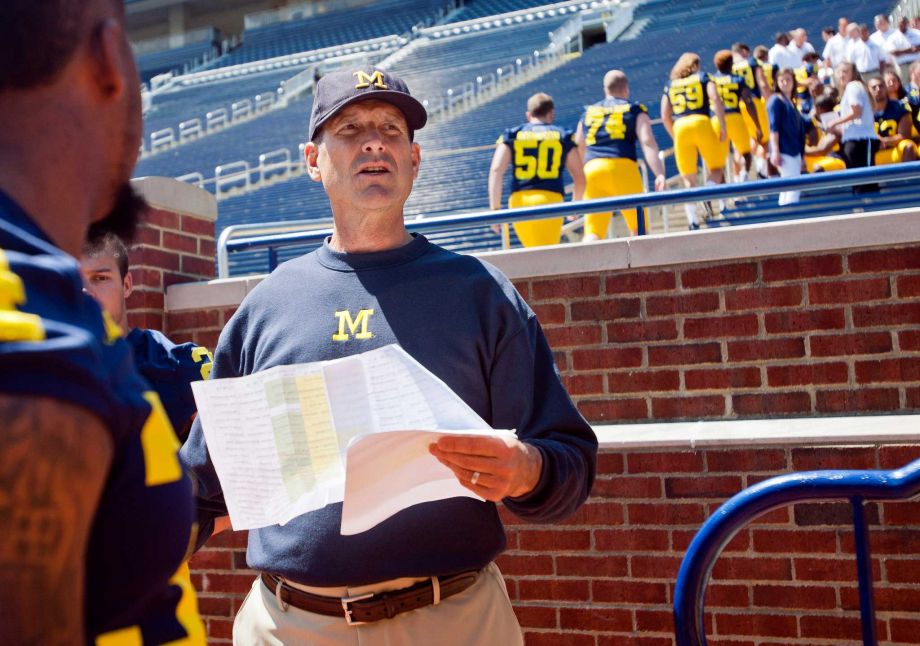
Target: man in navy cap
<point>425,575</point>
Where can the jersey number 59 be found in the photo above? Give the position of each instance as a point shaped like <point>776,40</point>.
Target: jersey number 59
<point>537,157</point>
<point>688,97</point>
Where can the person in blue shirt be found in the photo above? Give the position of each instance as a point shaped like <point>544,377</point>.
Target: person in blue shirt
<point>369,285</point>
<point>169,368</point>
<point>539,152</point>
<point>787,132</point>
<point>97,511</point>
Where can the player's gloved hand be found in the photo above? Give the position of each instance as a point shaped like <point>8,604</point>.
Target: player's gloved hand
<point>501,468</point>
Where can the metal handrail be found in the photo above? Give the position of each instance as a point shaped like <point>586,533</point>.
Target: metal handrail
<point>852,177</point>
<point>857,486</point>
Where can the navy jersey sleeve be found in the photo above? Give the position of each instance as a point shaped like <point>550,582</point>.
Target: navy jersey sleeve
<point>50,333</point>
<point>568,143</point>
<point>171,369</point>
<point>539,408</point>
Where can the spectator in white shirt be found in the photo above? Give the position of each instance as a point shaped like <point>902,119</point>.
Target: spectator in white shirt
<point>882,31</point>
<point>856,123</point>
<point>868,57</point>
<point>903,46</point>
<point>799,46</point>
<point>779,54</point>
<point>835,45</point>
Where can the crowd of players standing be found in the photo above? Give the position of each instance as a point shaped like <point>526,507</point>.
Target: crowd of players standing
<point>762,112</point>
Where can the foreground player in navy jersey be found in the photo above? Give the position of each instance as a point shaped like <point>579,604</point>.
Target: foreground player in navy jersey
<point>97,512</point>
<point>425,575</point>
<point>168,368</point>
<point>539,151</point>
<point>607,136</point>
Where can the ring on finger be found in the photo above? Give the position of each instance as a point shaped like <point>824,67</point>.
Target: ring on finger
<point>475,478</point>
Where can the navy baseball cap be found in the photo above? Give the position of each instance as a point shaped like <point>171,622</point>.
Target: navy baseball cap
<point>343,87</point>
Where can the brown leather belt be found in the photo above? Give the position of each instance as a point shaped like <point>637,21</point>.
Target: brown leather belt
<point>365,608</point>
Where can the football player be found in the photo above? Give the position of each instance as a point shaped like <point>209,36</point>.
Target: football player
<point>539,151</point>
<point>168,367</point>
<point>607,135</point>
<point>734,92</point>
<point>893,126</point>
<point>685,111</point>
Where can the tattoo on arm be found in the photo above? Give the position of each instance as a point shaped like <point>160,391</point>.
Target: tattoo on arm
<point>54,459</point>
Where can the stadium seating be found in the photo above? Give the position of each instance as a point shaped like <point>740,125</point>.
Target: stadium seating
<point>427,70</point>
<point>383,18</point>
<point>175,59</point>
<point>456,152</point>
<point>181,103</point>
<point>479,8</point>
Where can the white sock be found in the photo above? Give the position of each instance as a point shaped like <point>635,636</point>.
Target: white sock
<point>690,210</point>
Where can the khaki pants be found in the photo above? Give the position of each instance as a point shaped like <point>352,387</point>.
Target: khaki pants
<point>480,615</point>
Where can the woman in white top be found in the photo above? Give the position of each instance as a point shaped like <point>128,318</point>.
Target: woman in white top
<point>856,123</point>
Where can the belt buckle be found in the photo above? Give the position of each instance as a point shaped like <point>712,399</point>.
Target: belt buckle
<point>348,600</point>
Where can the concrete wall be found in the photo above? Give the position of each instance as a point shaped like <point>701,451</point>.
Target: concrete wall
<point>795,343</point>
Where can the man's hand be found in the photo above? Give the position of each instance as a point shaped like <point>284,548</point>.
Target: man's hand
<point>506,467</point>
<point>660,182</point>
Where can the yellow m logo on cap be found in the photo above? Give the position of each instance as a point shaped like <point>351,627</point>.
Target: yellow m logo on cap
<point>366,80</point>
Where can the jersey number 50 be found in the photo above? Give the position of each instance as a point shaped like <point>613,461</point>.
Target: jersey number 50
<point>544,164</point>
<point>689,97</point>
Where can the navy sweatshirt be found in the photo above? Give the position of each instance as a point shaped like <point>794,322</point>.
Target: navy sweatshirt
<point>461,319</point>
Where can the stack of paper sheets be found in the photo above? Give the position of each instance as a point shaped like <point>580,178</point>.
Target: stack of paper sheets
<point>292,439</point>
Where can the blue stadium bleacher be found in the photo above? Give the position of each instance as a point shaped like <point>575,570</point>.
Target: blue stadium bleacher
<point>473,9</point>
<point>427,70</point>
<point>383,18</point>
<point>456,152</point>
<point>175,59</point>
<point>181,103</point>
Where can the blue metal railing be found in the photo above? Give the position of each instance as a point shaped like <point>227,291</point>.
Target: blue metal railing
<point>852,177</point>
<point>718,530</point>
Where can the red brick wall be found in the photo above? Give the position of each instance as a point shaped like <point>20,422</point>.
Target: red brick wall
<point>606,577</point>
<point>806,335</point>
<point>802,335</point>
<point>169,248</point>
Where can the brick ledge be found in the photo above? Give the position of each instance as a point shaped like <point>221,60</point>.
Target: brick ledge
<point>810,431</point>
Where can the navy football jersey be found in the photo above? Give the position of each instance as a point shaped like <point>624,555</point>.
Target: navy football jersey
<point>171,369</point>
<point>729,87</point>
<point>688,95</point>
<point>913,104</point>
<point>769,73</point>
<point>538,151</point>
<point>887,120</point>
<point>609,128</point>
<point>745,69</point>
<point>804,101</point>
<point>54,342</point>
